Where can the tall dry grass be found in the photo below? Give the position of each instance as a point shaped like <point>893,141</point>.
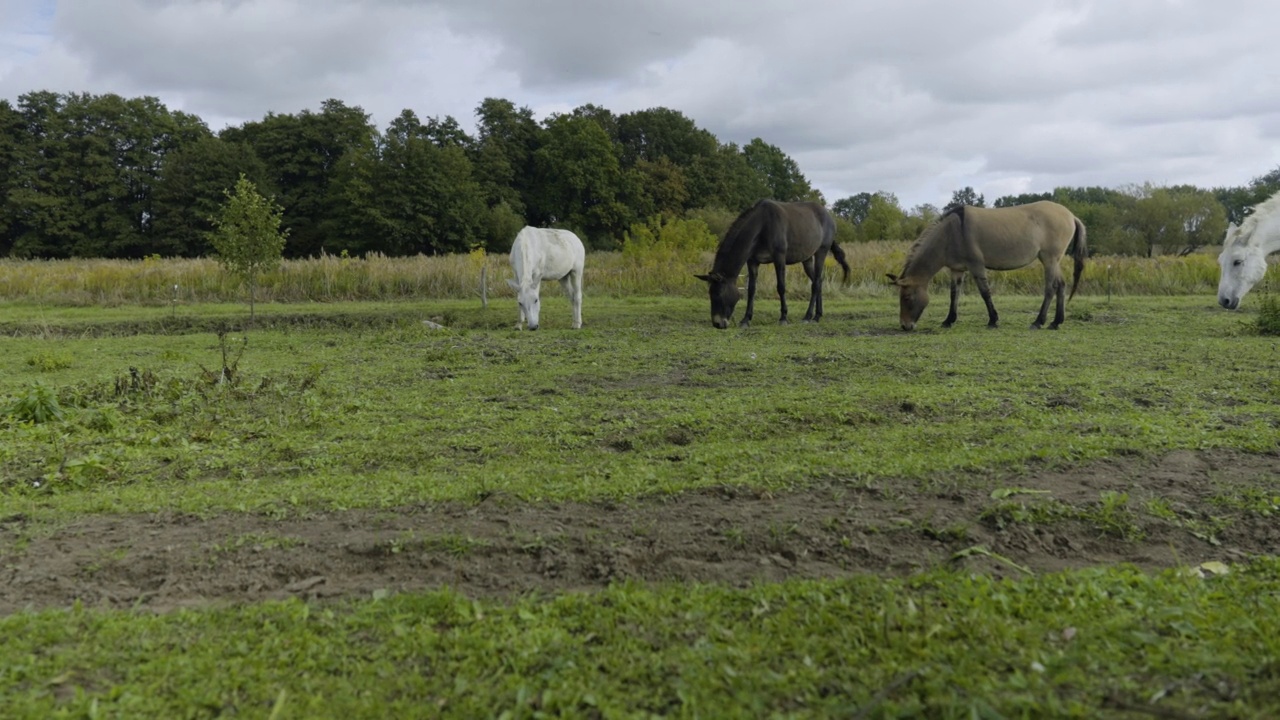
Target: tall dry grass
<point>331,278</point>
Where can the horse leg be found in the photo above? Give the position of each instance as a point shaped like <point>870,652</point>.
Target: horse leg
<point>814,313</point>
<point>1060,288</point>
<point>780,269</point>
<point>572,284</point>
<point>1054,284</point>
<point>753,268</point>
<point>957,277</point>
<point>993,318</point>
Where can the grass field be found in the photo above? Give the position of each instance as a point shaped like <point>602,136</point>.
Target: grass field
<point>341,511</point>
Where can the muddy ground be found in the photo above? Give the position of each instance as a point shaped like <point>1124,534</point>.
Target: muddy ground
<point>503,547</point>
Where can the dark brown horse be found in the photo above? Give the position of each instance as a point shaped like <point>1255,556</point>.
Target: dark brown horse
<point>973,240</point>
<point>782,233</point>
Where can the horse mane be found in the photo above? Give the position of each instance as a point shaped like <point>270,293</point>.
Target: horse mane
<point>731,250</point>
<point>1262,212</point>
<point>930,234</point>
<point>736,227</point>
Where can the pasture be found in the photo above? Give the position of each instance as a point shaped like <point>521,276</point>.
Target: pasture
<point>342,511</point>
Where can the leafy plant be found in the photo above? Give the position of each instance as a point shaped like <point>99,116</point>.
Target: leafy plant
<point>248,237</point>
<point>39,404</point>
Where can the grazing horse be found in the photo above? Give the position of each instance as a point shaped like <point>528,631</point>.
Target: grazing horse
<point>973,240</point>
<point>782,233</point>
<point>1244,252</point>
<point>546,254</point>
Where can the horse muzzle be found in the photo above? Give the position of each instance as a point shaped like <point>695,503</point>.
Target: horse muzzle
<point>720,323</point>
<point>908,326</point>
<point>1229,303</point>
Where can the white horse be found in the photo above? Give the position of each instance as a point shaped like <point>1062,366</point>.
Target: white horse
<point>546,254</point>
<point>1245,250</point>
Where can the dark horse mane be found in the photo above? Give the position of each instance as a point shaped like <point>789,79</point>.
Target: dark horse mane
<point>731,251</point>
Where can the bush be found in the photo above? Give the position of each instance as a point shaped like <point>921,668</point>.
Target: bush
<point>1269,315</point>
<point>668,240</point>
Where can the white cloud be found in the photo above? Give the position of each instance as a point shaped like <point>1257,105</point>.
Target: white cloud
<point>916,97</point>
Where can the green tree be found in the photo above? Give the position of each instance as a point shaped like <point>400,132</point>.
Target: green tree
<point>507,138</point>
<point>965,196</point>
<point>247,235</point>
<point>580,181</point>
<point>302,153</point>
<point>884,220</point>
<point>659,133</point>
<point>853,208</point>
<point>191,188</point>
<point>782,175</point>
<point>1178,218</point>
<point>1021,199</point>
<point>725,179</point>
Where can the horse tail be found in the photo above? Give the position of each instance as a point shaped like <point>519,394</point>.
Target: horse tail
<point>1079,251</point>
<point>838,253</point>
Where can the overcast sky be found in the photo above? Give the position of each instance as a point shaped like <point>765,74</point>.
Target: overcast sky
<point>913,97</point>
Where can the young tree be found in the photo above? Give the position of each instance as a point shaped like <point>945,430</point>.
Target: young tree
<point>247,235</point>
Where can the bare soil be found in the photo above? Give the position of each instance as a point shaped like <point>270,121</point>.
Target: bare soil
<point>503,547</point>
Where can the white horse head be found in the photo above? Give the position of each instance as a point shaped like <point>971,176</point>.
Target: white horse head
<point>1244,252</point>
<point>1243,265</point>
<point>546,254</point>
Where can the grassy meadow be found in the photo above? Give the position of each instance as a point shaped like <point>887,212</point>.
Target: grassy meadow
<point>120,395</point>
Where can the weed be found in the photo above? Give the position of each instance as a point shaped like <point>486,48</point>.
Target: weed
<point>49,361</point>
<point>39,404</point>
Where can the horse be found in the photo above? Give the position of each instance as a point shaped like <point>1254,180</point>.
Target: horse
<point>1244,252</point>
<point>539,254</point>
<point>973,240</point>
<point>781,233</point>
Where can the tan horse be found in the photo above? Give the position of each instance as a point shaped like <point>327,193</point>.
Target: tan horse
<point>973,240</point>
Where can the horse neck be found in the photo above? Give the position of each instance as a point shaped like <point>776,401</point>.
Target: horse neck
<point>733,253</point>
<point>926,258</point>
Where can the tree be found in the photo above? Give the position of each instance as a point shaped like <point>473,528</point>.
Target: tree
<point>853,208</point>
<point>506,139</point>
<point>247,235</point>
<point>965,196</point>
<point>192,185</point>
<point>1181,217</point>
<point>1021,199</point>
<point>580,181</point>
<point>782,175</point>
<point>302,153</point>
<point>659,133</point>
<point>725,179</point>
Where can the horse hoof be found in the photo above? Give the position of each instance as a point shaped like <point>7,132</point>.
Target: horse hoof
<point>1035,326</point>
<point>946,325</point>
<point>992,326</point>
<point>1053,326</point>
<point>744,324</point>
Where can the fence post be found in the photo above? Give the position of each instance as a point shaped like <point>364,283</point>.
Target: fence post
<point>484,286</point>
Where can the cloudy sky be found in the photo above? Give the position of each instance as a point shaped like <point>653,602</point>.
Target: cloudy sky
<point>913,97</point>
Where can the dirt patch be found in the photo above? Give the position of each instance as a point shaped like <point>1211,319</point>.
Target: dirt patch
<point>1183,508</point>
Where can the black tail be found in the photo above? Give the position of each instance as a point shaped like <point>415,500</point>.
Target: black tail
<point>1079,251</point>
<point>838,253</point>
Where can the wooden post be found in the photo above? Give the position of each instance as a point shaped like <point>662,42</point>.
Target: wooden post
<point>484,286</point>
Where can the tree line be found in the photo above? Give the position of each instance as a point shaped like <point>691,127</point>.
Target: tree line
<point>85,175</point>
<point>103,176</point>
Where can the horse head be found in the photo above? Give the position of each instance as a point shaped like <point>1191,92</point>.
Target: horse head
<point>1243,265</point>
<point>724,297</point>
<point>913,298</point>
<point>528,300</point>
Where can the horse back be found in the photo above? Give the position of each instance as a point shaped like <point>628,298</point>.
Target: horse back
<point>1013,237</point>
<point>801,227</point>
<point>549,253</point>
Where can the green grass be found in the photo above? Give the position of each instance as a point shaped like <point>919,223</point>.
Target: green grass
<point>647,398</point>
<point>1103,642</point>
<point>362,405</point>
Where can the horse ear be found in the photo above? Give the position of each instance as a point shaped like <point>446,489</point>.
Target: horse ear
<point>514,285</point>
<point>892,278</point>
<point>713,277</point>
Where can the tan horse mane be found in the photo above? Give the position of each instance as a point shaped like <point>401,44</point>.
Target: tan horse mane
<point>1261,211</point>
